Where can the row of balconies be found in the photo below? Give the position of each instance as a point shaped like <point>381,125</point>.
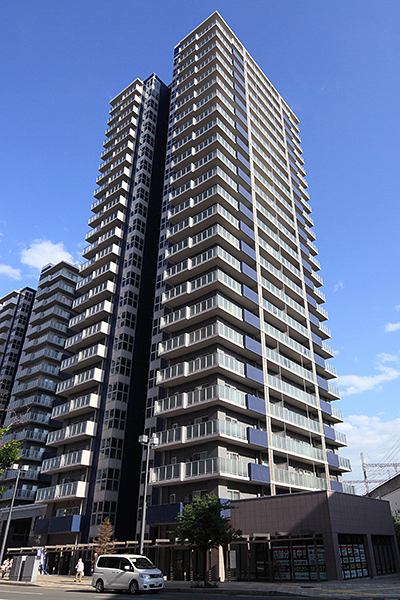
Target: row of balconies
<point>89,335</point>
<point>79,382</point>
<point>103,273</point>
<point>116,218</point>
<point>31,416</point>
<point>65,273</point>
<point>95,295</point>
<point>76,432</point>
<point>45,339</point>
<point>84,358</point>
<point>246,471</point>
<point>40,400</point>
<point>242,435</point>
<point>129,146</point>
<point>63,491</point>
<point>30,357</point>
<point>76,406</point>
<point>100,311</point>
<point>39,383</point>
<point>26,434</point>
<point>115,235</point>
<point>113,251</point>
<point>56,298</point>
<point>80,458</point>
<point>60,285</point>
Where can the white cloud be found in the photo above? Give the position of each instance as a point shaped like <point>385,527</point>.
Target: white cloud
<point>375,439</point>
<point>338,286</point>
<point>383,357</point>
<point>389,327</point>
<point>397,307</point>
<point>10,271</point>
<point>356,384</point>
<point>42,252</point>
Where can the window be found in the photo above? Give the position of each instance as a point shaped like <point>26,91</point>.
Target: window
<point>118,391</point>
<point>111,448</point>
<point>115,419</point>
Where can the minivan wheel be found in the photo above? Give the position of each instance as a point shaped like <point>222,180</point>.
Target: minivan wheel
<point>99,586</point>
<point>133,587</point>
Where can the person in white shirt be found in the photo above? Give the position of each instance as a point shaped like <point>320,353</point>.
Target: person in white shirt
<point>80,568</point>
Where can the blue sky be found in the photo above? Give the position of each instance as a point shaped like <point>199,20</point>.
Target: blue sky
<point>337,65</point>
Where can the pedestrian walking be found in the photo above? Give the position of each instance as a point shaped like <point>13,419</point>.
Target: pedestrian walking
<point>4,568</point>
<point>80,568</point>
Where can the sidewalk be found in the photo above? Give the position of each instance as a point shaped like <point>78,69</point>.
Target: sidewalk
<point>381,587</point>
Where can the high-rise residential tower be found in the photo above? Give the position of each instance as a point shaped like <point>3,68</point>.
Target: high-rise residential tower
<point>15,309</point>
<point>96,471</point>
<point>33,394</point>
<point>239,384</point>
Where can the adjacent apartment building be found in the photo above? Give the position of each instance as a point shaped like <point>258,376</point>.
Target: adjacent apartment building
<point>29,411</point>
<point>15,310</point>
<point>97,459</point>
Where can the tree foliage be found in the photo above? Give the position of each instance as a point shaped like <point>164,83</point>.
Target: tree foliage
<point>9,451</point>
<point>396,521</point>
<point>105,542</point>
<point>203,526</point>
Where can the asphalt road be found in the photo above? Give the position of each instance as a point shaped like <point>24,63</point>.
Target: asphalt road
<point>36,593</point>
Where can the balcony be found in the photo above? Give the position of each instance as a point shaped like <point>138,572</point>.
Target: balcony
<point>64,491</point>
<point>40,400</point>
<point>94,296</point>
<point>344,463</point>
<point>284,414</point>
<point>91,334</point>
<point>26,434</point>
<point>29,417</point>
<point>80,458</point>
<point>98,276</point>
<point>200,431</point>
<point>299,480</point>
<point>292,446</point>
<point>76,432</point>
<point>21,494</point>
<point>199,469</point>
<point>76,406</point>
<point>29,474</point>
<point>81,381</point>
<point>84,358</point>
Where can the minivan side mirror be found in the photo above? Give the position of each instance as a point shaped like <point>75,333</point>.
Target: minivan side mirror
<point>127,568</point>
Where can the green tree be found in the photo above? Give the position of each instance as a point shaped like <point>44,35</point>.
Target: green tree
<point>204,527</point>
<point>9,452</point>
<point>396,522</point>
<point>105,543</point>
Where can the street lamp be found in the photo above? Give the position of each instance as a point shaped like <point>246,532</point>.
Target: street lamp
<point>17,468</point>
<point>149,442</point>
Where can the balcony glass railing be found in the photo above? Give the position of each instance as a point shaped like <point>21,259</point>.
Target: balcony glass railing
<point>336,412</point>
<point>199,468</point>
<point>296,447</point>
<point>291,390</point>
<point>292,417</point>
<point>297,479</point>
<point>344,463</point>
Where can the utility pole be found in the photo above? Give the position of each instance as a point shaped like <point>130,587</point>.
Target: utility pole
<point>364,468</point>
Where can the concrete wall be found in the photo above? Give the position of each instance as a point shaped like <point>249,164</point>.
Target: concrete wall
<point>325,513</point>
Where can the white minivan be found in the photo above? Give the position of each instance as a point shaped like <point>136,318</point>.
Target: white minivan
<point>130,572</point>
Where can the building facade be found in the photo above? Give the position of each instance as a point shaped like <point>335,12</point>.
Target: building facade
<point>240,381</point>
<point>105,393</point>
<point>15,309</point>
<point>33,394</point>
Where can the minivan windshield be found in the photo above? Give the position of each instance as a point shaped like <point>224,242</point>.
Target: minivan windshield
<point>141,562</point>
